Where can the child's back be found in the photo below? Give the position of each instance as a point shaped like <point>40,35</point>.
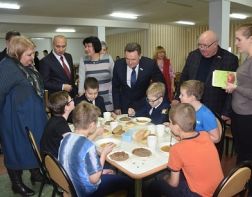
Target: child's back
<point>198,158</point>
<point>73,149</point>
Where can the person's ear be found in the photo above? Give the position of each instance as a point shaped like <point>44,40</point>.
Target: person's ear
<point>92,125</point>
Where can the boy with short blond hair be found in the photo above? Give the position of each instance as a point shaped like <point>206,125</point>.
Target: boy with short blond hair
<point>87,174</point>
<point>156,105</point>
<point>191,92</point>
<point>193,161</point>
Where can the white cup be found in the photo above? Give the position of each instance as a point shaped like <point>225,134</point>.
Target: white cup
<point>152,141</point>
<point>107,116</point>
<point>160,129</point>
<point>152,128</point>
<point>113,125</point>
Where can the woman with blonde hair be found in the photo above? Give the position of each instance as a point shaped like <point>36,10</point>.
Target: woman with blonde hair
<point>165,67</point>
<point>21,106</point>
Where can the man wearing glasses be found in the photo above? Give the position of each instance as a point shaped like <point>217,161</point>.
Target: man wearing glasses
<point>200,65</point>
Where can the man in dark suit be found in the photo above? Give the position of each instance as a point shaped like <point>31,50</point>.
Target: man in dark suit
<point>57,68</point>
<point>200,65</point>
<point>8,36</point>
<point>131,78</point>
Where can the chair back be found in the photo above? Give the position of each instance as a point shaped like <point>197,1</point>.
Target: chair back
<point>222,129</point>
<point>34,146</point>
<point>236,182</point>
<point>58,175</point>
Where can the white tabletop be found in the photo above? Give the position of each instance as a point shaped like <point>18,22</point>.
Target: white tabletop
<point>139,167</point>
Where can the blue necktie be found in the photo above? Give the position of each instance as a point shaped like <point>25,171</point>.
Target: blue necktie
<point>133,77</point>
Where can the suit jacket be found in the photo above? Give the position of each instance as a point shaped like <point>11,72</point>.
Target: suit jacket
<point>214,98</point>
<point>159,115</point>
<point>99,102</point>
<point>125,96</point>
<point>3,54</point>
<point>54,75</point>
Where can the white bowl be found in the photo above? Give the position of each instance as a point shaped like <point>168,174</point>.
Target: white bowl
<point>142,120</point>
<point>100,142</point>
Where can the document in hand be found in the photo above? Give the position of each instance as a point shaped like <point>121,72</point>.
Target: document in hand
<point>221,77</point>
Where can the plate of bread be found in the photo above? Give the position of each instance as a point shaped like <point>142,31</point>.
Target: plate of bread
<point>118,131</point>
<point>141,135</point>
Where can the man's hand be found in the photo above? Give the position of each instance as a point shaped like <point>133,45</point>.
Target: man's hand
<point>67,87</point>
<point>117,111</point>
<point>131,112</point>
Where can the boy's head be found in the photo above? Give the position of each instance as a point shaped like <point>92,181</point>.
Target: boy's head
<point>60,102</point>
<point>91,87</point>
<point>155,94</point>
<point>191,90</point>
<point>182,115</point>
<point>85,114</point>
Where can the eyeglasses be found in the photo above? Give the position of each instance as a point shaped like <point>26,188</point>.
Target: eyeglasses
<point>69,102</point>
<point>204,46</point>
<point>152,101</point>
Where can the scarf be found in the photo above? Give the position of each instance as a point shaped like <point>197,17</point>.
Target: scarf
<point>34,78</point>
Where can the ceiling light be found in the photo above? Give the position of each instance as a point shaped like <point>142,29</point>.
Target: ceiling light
<point>124,15</point>
<point>9,6</point>
<point>238,16</point>
<point>65,30</point>
<point>185,22</point>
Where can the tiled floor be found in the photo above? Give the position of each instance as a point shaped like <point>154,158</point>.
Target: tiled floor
<point>227,163</point>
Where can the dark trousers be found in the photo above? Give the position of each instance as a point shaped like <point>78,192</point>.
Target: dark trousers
<point>112,183</point>
<point>160,188</point>
<point>241,127</point>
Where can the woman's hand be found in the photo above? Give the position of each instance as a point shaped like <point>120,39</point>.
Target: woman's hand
<point>230,88</point>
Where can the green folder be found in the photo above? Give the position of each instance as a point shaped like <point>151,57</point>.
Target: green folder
<point>221,77</point>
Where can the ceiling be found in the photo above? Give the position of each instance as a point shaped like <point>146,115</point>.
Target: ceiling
<point>43,16</point>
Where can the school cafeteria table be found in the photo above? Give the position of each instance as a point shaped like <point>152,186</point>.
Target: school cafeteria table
<point>138,167</point>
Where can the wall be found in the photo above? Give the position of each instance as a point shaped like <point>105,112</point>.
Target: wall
<point>177,40</point>
<point>74,47</point>
<point>117,42</point>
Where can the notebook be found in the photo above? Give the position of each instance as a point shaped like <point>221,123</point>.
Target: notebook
<point>221,77</point>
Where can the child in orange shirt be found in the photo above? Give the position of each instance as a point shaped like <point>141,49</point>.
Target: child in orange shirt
<point>194,162</point>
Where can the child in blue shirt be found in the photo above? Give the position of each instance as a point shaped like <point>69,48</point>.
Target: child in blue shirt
<point>79,157</point>
<point>191,92</point>
<point>156,105</point>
